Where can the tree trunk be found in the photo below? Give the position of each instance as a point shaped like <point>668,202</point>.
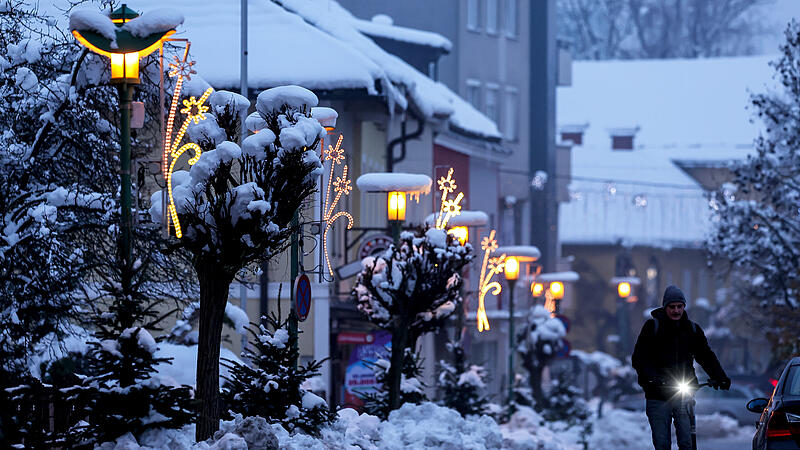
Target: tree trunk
<point>395,375</point>
<point>214,285</point>
<point>535,380</point>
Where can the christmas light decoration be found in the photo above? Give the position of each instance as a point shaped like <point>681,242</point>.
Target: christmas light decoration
<point>195,112</point>
<point>495,265</point>
<point>449,208</point>
<point>341,187</point>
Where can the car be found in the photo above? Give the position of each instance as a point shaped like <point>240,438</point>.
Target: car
<point>729,403</point>
<point>778,426</point>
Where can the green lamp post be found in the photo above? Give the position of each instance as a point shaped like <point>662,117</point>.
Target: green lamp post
<point>124,41</point>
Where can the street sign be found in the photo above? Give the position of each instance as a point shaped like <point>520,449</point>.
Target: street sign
<point>302,297</point>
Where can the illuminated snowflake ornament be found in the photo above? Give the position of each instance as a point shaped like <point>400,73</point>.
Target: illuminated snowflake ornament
<point>449,208</point>
<point>342,186</point>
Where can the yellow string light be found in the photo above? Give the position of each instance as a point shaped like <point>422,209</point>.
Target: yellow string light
<point>342,186</point>
<point>495,265</point>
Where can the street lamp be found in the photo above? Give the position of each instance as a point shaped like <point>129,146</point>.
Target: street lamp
<point>512,273</point>
<point>124,38</point>
<point>624,290</point>
<point>397,186</point>
<point>460,233</point>
<point>396,212</point>
<point>557,289</point>
<point>537,289</point>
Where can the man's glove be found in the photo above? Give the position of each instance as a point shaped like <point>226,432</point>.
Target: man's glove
<point>723,383</point>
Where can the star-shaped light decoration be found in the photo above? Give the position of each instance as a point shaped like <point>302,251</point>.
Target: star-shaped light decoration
<point>341,186</point>
<point>449,208</point>
<point>496,265</point>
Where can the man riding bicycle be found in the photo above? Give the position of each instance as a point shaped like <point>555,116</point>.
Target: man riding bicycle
<point>664,360</point>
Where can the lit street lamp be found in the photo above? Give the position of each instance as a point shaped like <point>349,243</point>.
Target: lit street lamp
<point>512,273</point>
<point>124,39</point>
<point>624,290</point>
<point>396,212</point>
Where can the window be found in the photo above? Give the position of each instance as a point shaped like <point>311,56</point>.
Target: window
<point>473,15</point>
<point>511,114</point>
<point>491,16</point>
<point>511,18</point>
<point>492,102</point>
<point>474,93</point>
<point>622,142</point>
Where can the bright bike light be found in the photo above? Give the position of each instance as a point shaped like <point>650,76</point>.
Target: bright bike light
<point>683,388</point>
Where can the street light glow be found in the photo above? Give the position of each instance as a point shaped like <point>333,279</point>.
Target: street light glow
<point>512,268</point>
<point>624,289</point>
<point>557,289</point>
<point>537,289</point>
<point>396,206</point>
<point>460,233</point>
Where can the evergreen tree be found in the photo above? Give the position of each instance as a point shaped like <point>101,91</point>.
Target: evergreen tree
<point>409,290</point>
<point>60,270</point>
<point>270,387</point>
<point>235,207</point>
<point>462,386</point>
<point>411,386</point>
<point>755,217</point>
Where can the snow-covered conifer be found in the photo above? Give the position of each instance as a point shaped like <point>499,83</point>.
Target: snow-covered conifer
<point>409,290</point>
<point>462,385</point>
<point>270,386</point>
<point>412,389</point>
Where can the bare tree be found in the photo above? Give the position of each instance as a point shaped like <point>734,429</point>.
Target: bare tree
<point>625,29</point>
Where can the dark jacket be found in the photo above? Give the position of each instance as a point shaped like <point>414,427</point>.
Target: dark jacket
<point>666,357</point>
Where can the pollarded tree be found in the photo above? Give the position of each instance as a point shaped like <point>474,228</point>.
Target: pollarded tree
<point>756,218</point>
<point>409,290</point>
<point>539,341</point>
<point>235,206</point>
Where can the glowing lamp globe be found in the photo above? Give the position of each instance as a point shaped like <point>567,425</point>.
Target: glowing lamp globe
<point>537,289</point>
<point>125,49</point>
<point>624,289</point>
<point>396,206</point>
<point>557,289</point>
<point>460,233</point>
<point>512,268</point>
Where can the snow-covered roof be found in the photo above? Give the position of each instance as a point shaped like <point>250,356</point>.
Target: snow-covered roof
<point>431,98</point>
<point>315,44</point>
<point>681,110</point>
<point>383,26</point>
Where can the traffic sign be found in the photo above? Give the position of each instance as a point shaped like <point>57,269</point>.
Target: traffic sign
<point>302,297</point>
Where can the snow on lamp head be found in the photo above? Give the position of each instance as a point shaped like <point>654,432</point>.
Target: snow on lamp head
<point>123,36</point>
<point>397,186</point>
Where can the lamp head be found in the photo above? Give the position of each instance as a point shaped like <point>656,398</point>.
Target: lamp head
<point>557,289</point>
<point>396,206</point>
<point>624,289</point>
<point>122,14</point>
<point>460,233</point>
<point>511,268</point>
<point>537,289</point>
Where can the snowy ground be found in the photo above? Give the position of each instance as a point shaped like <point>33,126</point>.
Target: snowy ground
<point>432,426</point>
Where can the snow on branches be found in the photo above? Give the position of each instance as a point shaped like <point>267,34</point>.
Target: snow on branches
<point>756,218</point>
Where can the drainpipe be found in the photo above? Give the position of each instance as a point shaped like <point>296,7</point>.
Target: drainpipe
<point>390,159</point>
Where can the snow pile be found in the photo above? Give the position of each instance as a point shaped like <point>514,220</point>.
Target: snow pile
<point>526,430</point>
<point>182,369</point>
<point>621,430</point>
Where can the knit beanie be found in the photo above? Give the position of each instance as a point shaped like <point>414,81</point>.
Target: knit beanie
<point>673,294</point>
